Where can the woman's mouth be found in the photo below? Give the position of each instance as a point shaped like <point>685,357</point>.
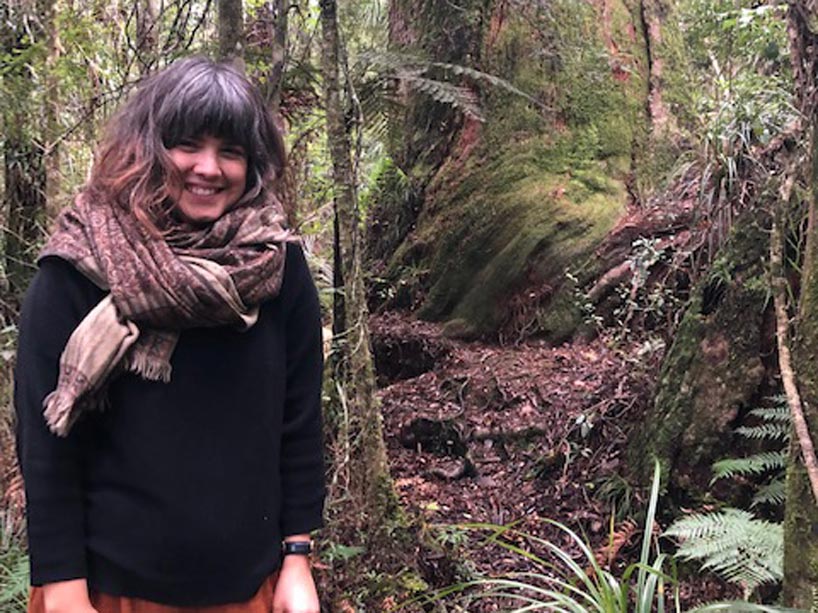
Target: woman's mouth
<point>200,190</point>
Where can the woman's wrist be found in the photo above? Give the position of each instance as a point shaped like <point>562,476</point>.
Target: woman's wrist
<point>67,596</point>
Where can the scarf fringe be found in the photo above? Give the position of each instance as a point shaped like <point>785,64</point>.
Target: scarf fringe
<point>148,367</point>
<point>58,411</point>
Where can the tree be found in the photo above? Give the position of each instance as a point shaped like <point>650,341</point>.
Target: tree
<point>362,506</point>
<point>231,29</point>
<point>801,514</point>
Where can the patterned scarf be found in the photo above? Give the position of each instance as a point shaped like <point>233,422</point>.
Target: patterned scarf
<point>190,277</point>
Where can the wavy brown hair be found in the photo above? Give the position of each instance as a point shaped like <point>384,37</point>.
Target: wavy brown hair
<point>191,98</point>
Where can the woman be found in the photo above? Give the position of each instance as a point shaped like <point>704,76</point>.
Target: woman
<point>169,369</point>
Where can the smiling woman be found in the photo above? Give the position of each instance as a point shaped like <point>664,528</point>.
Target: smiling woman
<point>213,175</point>
<point>171,295</point>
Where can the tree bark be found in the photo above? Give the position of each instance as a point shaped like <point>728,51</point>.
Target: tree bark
<point>147,35</point>
<point>231,29</point>
<point>362,496</point>
<point>278,53</point>
<point>801,511</point>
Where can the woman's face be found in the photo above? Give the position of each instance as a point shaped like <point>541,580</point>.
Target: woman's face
<point>214,175</point>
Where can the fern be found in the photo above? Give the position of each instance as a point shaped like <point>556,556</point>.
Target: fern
<point>753,465</point>
<point>733,543</point>
<point>778,412</point>
<point>774,492</point>
<point>775,431</point>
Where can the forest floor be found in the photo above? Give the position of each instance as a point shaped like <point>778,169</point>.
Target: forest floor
<point>481,433</point>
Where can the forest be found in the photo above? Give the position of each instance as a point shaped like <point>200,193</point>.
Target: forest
<point>566,257</point>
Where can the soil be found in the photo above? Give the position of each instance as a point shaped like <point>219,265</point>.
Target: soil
<point>516,436</point>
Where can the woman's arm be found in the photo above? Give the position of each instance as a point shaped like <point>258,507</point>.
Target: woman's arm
<point>302,462</point>
<point>58,298</point>
<point>67,597</point>
<point>295,590</point>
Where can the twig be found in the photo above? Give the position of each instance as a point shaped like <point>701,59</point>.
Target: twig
<point>779,285</point>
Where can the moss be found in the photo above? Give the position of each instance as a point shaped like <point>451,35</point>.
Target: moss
<point>713,368</point>
<point>535,191</point>
<point>801,513</point>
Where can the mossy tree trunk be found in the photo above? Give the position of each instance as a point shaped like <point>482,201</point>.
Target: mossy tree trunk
<point>362,495</point>
<point>231,29</point>
<point>801,515</point>
<point>713,369</point>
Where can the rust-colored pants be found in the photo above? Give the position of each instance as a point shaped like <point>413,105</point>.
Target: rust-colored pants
<point>262,602</point>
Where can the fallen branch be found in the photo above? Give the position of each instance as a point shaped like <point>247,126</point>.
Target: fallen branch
<point>779,286</point>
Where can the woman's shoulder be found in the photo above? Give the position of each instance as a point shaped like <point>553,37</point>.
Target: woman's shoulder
<point>57,278</point>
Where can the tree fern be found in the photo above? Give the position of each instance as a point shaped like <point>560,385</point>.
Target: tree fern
<point>733,543</point>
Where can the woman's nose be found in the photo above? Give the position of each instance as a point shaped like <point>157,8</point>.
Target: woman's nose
<point>206,163</point>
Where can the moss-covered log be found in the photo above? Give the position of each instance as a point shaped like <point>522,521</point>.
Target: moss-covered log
<point>714,367</point>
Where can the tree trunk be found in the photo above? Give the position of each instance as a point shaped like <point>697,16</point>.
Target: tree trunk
<point>231,29</point>
<point>147,35</point>
<point>278,53</point>
<point>801,513</point>
<point>360,464</point>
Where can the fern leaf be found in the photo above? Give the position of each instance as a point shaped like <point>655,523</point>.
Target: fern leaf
<point>753,465</point>
<point>774,492</point>
<point>733,543</point>
<point>775,431</point>
<point>779,412</point>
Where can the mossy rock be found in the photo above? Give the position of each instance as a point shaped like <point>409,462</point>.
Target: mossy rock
<point>713,370</point>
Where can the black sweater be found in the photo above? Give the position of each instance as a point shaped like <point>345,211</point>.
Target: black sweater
<point>178,492</point>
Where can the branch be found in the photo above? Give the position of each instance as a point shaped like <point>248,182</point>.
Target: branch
<point>784,357</point>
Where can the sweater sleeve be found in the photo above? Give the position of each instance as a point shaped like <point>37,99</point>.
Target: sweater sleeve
<point>302,462</point>
<point>57,300</point>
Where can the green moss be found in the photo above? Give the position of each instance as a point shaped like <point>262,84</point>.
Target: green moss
<point>714,367</point>
<point>539,187</point>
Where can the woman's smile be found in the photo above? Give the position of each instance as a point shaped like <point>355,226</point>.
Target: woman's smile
<point>214,175</point>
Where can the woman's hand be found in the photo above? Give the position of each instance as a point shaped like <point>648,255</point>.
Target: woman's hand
<point>295,591</point>
<point>67,597</point>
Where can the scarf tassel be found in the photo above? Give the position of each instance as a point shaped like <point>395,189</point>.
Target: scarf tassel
<point>148,367</point>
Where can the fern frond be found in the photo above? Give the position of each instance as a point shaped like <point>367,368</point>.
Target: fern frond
<point>774,431</point>
<point>733,543</point>
<point>774,492</point>
<point>779,412</point>
<point>752,465</point>
<point>398,64</point>
<point>461,98</point>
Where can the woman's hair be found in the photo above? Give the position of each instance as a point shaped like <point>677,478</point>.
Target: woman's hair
<point>190,98</point>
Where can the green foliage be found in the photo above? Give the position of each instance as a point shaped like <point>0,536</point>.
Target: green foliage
<point>733,543</point>
<point>756,464</point>
<point>14,579</point>
<point>563,583</point>
<point>742,97</point>
<point>774,427</point>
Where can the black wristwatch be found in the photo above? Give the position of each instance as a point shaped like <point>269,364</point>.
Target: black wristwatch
<point>299,548</point>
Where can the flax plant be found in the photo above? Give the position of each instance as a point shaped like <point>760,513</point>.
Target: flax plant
<point>564,583</point>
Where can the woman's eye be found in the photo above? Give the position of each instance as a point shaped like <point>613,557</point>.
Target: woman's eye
<point>187,145</point>
<point>233,152</point>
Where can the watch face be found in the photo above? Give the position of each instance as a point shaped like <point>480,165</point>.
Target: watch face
<point>298,547</point>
